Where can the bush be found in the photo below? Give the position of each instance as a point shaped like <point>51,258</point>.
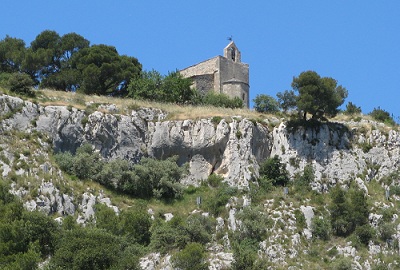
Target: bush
<point>158,178</point>
<point>192,257</point>
<point>364,234</point>
<point>214,180</point>
<point>254,224</point>
<point>135,223</point>
<point>87,248</point>
<point>217,201</point>
<point>382,116</point>
<point>303,181</point>
<point>21,83</point>
<point>222,100</point>
<point>348,210</point>
<point>386,231</point>
<point>275,171</point>
<point>265,104</point>
<point>352,109</point>
<point>320,228</point>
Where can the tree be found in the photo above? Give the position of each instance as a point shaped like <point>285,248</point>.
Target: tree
<point>177,89</point>
<point>349,210</point>
<point>287,100</point>
<point>12,53</point>
<point>266,104</point>
<point>351,109</point>
<point>275,171</point>
<point>318,96</point>
<point>146,85</point>
<point>103,71</point>
<point>66,78</point>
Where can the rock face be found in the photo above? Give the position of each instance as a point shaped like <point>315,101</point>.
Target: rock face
<point>231,149</point>
<point>339,153</point>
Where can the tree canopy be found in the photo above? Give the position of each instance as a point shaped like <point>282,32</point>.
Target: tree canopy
<point>318,96</point>
<point>265,103</point>
<point>69,63</point>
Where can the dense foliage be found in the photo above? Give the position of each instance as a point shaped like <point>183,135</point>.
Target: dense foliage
<point>381,115</point>
<point>68,63</point>
<point>149,178</point>
<point>266,104</point>
<point>318,96</point>
<point>273,171</point>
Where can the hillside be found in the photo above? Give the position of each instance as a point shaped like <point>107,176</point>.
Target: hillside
<point>339,208</point>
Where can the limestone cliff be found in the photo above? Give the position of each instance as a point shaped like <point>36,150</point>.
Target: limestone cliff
<point>359,151</point>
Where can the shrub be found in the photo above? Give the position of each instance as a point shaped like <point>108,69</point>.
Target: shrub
<point>381,115</point>
<point>219,199</point>
<point>21,83</point>
<point>275,171</point>
<point>386,231</point>
<point>158,178</point>
<point>214,180</point>
<point>192,257</point>
<point>244,254</point>
<point>222,100</point>
<point>266,104</point>
<point>254,224</point>
<point>87,248</point>
<point>320,228</point>
<point>348,210</point>
<point>304,180</point>
<point>364,233</point>
<point>135,223</point>
<point>351,109</point>
<point>342,263</point>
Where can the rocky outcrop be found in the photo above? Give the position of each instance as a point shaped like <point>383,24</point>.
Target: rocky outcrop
<point>230,148</point>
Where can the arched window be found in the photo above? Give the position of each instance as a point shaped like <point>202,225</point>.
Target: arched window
<point>233,54</point>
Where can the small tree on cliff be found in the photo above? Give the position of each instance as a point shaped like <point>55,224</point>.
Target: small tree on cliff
<point>318,96</point>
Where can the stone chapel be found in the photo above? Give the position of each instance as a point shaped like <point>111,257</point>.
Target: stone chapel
<point>222,74</point>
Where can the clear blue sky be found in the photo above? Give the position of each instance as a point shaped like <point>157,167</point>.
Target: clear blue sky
<point>356,42</point>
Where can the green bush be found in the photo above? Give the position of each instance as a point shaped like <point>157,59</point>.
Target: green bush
<point>364,234</point>
<point>158,178</point>
<point>265,104</point>
<point>386,231</point>
<point>217,201</point>
<point>342,263</point>
<point>254,224</point>
<point>214,180</point>
<point>275,171</point>
<point>352,109</point>
<point>135,223</point>
<point>87,248</point>
<point>21,83</point>
<point>321,228</point>
<point>303,181</point>
<point>245,255</point>
<point>348,210</point>
<point>192,257</point>
<point>151,85</point>
<point>382,116</point>
<point>222,100</point>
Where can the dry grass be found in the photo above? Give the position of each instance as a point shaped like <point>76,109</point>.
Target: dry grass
<point>48,97</point>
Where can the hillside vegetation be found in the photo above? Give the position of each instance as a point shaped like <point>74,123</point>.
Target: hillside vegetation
<point>302,207</point>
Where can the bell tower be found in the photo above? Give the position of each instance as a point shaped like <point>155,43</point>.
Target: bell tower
<point>232,52</point>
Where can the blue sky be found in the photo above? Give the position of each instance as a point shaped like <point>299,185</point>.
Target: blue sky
<point>356,42</point>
